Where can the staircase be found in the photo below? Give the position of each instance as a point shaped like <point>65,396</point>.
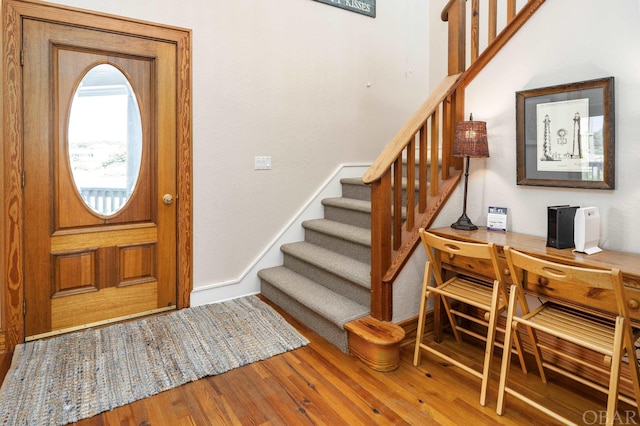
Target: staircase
<point>325,280</point>
<point>339,280</point>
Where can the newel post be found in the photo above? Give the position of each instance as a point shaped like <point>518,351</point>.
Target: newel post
<point>381,295</point>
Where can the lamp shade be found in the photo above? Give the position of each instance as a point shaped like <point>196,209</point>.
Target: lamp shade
<point>471,139</point>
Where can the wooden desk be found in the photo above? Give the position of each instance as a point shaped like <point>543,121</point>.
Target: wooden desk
<point>628,263</point>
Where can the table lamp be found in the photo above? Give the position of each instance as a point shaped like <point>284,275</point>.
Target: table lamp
<point>470,141</point>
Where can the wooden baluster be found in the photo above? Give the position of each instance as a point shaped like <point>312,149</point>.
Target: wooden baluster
<point>446,137</point>
<point>456,114</point>
<point>381,303</point>
<point>411,184</point>
<point>511,10</point>
<point>397,203</point>
<point>456,15</point>
<point>493,20</point>
<point>422,175</point>
<point>475,29</point>
<point>435,130</point>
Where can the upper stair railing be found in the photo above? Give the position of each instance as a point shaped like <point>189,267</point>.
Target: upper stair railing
<point>426,141</point>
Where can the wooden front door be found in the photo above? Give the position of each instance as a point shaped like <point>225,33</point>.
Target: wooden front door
<point>97,250</point>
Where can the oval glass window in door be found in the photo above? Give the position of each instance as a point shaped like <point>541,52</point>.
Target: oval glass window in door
<point>105,139</point>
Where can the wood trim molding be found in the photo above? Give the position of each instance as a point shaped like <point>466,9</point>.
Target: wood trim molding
<point>410,327</point>
<point>11,200</point>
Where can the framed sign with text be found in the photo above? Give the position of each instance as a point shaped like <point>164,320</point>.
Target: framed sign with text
<point>364,7</point>
<point>565,135</point>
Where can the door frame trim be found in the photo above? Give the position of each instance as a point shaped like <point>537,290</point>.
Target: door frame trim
<point>11,101</point>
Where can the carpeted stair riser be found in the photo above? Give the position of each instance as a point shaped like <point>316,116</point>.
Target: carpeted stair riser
<point>356,189</point>
<point>351,241</point>
<point>351,212</point>
<point>344,286</point>
<point>317,323</point>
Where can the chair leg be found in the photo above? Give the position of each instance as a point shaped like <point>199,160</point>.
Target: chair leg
<point>614,375</point>
<point>520,351</point>
<point>516,336</point>
<point>630,350</point>
<point>537,354</point>
<point>488,352</point>
<point>422,316</point>
<point>522,299</point>
<point>452,319</point>
<point>506,354</point>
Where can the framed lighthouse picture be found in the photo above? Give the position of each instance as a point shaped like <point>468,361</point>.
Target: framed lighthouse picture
<point>565,135</point>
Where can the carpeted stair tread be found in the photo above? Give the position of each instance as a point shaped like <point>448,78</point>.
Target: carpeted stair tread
<point>353,181</point>
<point>330,305</point>
<point>351,233</point>
<point>352,204</point>
<point>348,203</point>
<point>343,266</point>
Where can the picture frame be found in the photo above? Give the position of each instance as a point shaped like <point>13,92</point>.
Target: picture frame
<point>566,135</point>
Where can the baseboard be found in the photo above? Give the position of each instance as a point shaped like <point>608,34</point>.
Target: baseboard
<point>248,282</point>
<point>410,327</point>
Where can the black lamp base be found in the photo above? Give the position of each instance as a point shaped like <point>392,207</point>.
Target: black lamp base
<point>464,223</point>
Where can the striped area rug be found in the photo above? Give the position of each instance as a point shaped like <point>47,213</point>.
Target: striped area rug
<point>78,375</point>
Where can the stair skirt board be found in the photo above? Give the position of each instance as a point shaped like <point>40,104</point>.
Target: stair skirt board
<point>325,328</point>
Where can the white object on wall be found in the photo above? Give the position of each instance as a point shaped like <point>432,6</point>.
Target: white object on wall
<point>586,230</point>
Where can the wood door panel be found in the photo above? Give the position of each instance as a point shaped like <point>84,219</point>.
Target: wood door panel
<point>104,237</point>
<point>74,273</point>
<point>137,264</point>
<point>113,303</point>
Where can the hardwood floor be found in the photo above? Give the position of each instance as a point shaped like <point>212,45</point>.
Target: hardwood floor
<point>319,385</point>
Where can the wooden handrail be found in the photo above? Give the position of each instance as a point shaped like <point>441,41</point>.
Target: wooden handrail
<point>445,10</point>
<point>396,215</point>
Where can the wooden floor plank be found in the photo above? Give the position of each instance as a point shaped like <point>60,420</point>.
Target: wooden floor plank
<point>320,385</point>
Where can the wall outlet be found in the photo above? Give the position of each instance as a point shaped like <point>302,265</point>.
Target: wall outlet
<point>262,162</point>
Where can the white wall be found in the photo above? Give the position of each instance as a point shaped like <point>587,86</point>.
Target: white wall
<point>309,84</point>
<point>565,41</point>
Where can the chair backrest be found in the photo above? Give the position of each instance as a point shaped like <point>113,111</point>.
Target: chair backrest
<point>600,289</point>
<point>435,245</point>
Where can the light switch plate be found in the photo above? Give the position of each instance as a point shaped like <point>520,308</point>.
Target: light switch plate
<point>262,162</point>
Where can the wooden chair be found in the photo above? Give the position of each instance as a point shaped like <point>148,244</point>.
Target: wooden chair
<point>609,335</point>
<point>491,299</point>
